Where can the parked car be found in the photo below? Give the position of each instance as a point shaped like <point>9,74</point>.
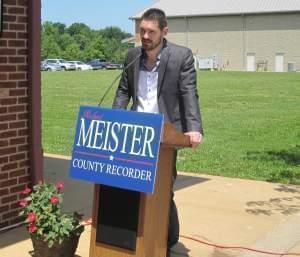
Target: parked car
<point>63,63</point>
<point>81,65</point>
<point>97,64</point>
<point>43,67</point>
<point>113,66</point>
<point>50,67</point>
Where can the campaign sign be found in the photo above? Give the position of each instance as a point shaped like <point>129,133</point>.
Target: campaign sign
<point>117,148</point>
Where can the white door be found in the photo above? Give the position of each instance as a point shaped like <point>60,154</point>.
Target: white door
<point>250,62</point>
<point>279,63</point>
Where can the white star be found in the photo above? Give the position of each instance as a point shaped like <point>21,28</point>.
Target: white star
<point>111,158</point>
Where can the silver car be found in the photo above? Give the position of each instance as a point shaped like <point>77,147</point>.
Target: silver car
<point>50,67</point>
<point>62,63</point>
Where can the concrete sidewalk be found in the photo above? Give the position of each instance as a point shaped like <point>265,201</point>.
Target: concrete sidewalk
<point>216,210</point>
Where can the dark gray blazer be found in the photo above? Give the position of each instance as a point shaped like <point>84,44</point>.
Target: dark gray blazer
<point>176,89</point>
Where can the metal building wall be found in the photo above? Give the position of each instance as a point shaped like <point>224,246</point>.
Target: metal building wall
<point>232,38</point>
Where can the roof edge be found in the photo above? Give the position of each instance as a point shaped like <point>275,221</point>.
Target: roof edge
<point>225,14</point>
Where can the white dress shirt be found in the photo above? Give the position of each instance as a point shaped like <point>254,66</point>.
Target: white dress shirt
<point>147,88</point>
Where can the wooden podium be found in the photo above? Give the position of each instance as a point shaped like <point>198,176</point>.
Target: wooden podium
<point>128,223</point>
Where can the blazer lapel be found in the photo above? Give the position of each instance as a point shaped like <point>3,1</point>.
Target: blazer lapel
<point>164,58</point>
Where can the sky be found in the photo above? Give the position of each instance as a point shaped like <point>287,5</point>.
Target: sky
<point>97,14</point>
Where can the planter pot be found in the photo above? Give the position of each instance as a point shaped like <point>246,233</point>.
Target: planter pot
<point>66,249</point>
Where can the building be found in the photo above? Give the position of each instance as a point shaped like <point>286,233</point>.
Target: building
<point>20,111</point>
<point>237,34</point>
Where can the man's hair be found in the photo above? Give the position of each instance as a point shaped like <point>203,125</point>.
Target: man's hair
<point>155,14</point>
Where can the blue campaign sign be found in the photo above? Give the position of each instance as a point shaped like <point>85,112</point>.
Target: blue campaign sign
<point>117,148</point>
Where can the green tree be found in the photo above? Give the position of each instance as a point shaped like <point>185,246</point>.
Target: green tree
<point>78,28</point>
<point>65,40</point>
<point>60,27</point>
<point>48,29</point>
<point>96,49</point>
<point>72,52</point>
<point>78,41</point>
<point>114,33</point>
<point>82,40</point>
<point>119,55</point>
<point>50,48</point>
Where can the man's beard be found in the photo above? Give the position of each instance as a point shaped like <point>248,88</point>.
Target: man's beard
<point>149,45</point>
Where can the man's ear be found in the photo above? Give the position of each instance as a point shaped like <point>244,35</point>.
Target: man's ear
<point>165,31</point>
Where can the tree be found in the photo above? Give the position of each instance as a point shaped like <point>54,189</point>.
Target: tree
<point>114,33</point>
<point>50,49</point>
<point>65,40</point>
<point>60,27</point>
<point>96,49</point>
<point>78,28</point>
<point>80,42</point>
<point>72,52</point>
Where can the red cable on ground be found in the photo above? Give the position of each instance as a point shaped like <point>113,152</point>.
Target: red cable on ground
<point>89,222</point>
<point>238,247</point>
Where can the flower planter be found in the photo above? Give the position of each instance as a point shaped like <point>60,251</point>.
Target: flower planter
<point>66,249</point>
<point>47,224</point>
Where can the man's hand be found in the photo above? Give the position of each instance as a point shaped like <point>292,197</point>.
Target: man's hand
<point>195,138</point>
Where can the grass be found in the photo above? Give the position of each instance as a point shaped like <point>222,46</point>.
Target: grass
<point>251,121</point>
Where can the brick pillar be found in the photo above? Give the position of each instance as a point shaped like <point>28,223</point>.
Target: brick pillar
<point>15,117</point>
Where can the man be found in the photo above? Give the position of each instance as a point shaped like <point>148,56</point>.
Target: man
<point>160,77</point>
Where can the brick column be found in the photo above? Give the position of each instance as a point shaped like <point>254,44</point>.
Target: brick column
<point>15,109</point>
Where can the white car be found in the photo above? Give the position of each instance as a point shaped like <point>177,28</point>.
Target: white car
<point>81,65</point>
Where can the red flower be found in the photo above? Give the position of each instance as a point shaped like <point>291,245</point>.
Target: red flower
<point>31,217</point>
<point>32,228</point>
<point>60,185</point>
<point>54,199</point>
<point>23,203</point>
<point>26,191</point>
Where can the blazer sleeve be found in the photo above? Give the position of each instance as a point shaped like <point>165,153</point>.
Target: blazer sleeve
<point>188,94</point>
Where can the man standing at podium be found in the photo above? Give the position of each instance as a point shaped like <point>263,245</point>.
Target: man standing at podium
<point>160,77</point>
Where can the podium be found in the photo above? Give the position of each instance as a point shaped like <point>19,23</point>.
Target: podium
<point>132,224</point>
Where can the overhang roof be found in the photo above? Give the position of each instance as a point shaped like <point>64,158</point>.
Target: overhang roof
<point>189,8</point>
